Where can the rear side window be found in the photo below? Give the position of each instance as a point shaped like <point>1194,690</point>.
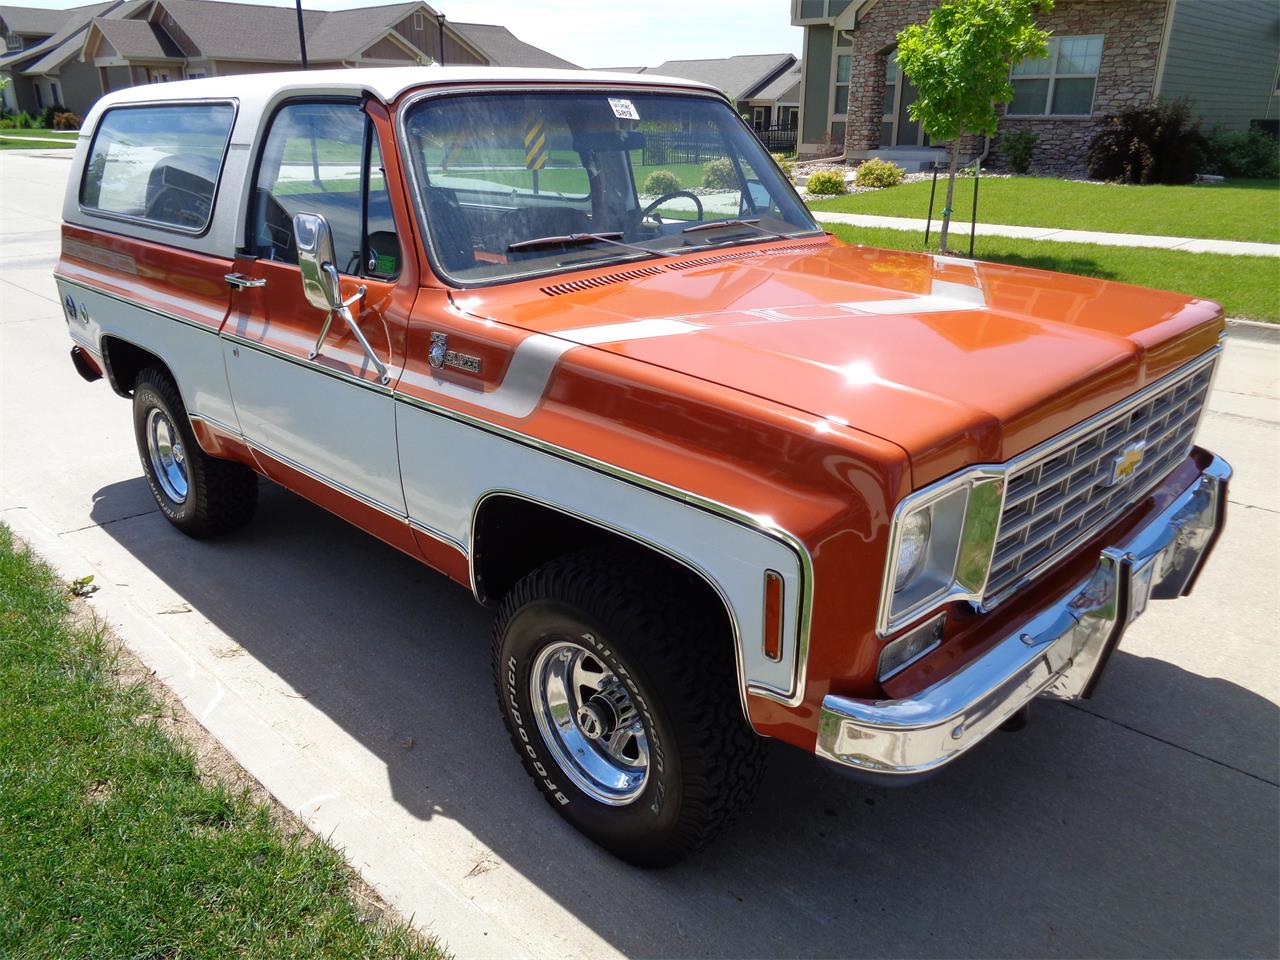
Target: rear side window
<point>158,164</point>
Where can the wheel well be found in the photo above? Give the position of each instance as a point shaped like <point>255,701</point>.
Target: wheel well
<point>514,536</point>
<point>124,361</point>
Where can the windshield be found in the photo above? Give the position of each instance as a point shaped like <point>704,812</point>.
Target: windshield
<point>515,184</point>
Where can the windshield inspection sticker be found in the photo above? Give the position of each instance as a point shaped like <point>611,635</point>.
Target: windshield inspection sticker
<point>623,109</point>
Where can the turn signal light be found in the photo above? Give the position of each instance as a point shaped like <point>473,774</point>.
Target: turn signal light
<point>773,615</point>
<point>910,647</point>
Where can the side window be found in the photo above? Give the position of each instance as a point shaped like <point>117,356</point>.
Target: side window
<point>314,161</point>
<point>383,247</point>
<point>158,163</point>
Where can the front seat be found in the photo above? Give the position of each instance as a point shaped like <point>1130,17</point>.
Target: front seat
<point>450,230</point>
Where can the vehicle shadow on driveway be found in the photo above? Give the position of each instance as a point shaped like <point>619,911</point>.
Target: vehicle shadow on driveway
<point>1082,835</point>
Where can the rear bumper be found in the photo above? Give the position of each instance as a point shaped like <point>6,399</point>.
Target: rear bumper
<point>1061,652</point>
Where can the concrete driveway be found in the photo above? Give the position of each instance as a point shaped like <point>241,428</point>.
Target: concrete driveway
<point>354,684</point>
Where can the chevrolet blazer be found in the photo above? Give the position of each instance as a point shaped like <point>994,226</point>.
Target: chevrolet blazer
<point>572,340</point>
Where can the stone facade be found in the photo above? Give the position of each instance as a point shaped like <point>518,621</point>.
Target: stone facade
<point>1131,32</point>
<point>873,41</point>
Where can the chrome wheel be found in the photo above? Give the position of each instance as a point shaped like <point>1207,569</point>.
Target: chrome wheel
<point>168,458</point>
<point>588,719</point>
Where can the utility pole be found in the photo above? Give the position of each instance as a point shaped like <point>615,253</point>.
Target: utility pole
<point>440,21</point>
<point>302,36</point>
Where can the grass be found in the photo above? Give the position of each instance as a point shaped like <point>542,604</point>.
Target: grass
<point>571,179</point>
<point>1246,287</point>
<point>1236,210</point>
<point>37,139</point>
<point>40,132</point>
<point>112,844</point>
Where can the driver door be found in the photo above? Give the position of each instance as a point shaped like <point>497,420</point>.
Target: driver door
<point>310,402</point>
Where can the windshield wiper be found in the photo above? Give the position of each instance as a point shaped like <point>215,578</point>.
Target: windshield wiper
<point>568,239</point>
<point>754,224</point>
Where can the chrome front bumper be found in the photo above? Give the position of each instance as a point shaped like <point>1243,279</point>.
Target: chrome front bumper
<point>1061,652</point>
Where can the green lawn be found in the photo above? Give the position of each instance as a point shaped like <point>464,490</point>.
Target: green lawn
<point>37,139</point>
<point>112,844</point>
<point>1245,286</point>
<point>1237,210</point>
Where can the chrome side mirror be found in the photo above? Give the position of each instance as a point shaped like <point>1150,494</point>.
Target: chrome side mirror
<point>314,241</point>
<point>321,286</point>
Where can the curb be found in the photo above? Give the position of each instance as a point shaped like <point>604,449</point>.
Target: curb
<point>1253,330</point>
<point>399,869</point>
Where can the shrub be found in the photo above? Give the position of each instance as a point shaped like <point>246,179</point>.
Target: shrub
<point>661,182</point>
<point>1016,148</point>
<point>877,173</point>
<point>66,121</point>
<point>826,183</point>
<point>1154,144</point>
<point>20,121</point>
<point>719,175</point>
<point>786,164</point>
<point>51,111</point>
<point>1239,153</point>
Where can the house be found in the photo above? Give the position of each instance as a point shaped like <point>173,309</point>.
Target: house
<point>72,57</point>
<point>757,83</point>
<point>777,103</point>
<point>1104,55</point>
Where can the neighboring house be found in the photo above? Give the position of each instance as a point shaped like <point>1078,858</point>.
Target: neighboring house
<point>777,103</point>
<point>757,83</point>
<point>1104,55</point>
<point>74,56</point>
<point>29,36</point>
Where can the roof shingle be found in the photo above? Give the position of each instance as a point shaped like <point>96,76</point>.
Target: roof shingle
<point>739,76</point>
<point>505,49</point>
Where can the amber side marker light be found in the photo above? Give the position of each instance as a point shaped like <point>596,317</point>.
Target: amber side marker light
<point>773,615</point>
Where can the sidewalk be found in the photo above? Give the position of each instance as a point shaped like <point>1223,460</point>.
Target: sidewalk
<point>1185,244</point>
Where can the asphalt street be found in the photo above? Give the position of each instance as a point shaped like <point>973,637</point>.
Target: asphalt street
<point>354,683</point>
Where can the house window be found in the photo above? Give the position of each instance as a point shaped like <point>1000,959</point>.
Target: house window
<point>39,96</point>
<point>840,100</point>
<point>195,76</point>
<point>1061,84</point>
<point>53,87</point>
<point>889,108</point>
<point>760,117</point>
<point>419,21</point>
<point>12,41</point>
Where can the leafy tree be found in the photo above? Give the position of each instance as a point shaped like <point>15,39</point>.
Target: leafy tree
<point>959,62</point>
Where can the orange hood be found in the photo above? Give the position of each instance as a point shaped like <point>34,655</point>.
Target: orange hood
<point>956,361</point>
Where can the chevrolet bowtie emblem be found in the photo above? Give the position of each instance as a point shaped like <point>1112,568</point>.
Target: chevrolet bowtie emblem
<point>1125,463</point>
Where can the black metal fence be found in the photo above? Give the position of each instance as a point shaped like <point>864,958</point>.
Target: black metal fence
<point>684,147</point>
<point>778,139</point>
<point>677,147</point>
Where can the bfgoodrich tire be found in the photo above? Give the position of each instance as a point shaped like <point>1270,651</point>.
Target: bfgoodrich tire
<point>200,495</point>
<point>616,681</point>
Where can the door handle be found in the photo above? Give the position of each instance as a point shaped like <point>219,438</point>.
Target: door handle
<point>238,281</point>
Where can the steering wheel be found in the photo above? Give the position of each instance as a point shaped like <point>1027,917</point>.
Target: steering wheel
<point>178,206</point>
<point>648,211</point>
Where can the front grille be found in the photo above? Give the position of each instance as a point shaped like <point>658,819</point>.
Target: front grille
<point>1061,497</point>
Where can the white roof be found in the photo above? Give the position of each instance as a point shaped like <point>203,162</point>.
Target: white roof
<point>255,91</point>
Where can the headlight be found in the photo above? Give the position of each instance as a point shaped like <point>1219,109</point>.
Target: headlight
<point>940,546</point>
<point>911,547</point>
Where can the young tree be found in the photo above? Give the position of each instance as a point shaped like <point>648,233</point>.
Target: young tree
<point>959,62</point>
